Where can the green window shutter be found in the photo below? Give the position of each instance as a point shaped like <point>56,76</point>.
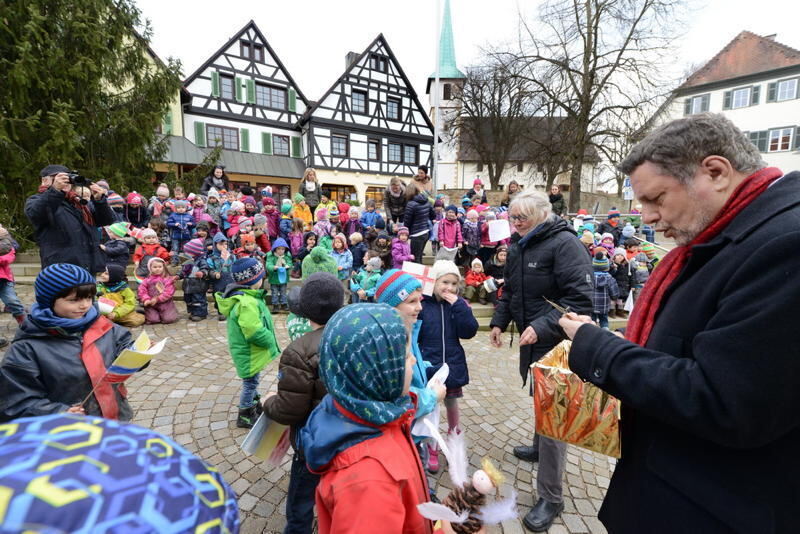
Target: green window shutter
<point>292,100</point>
<point>251,91</point>
<point>166,125</point>
<point>266,143</point>
<point>726,100</point>
<point>200,134</point>
<point>755,95</point>
<point>687,106</point>
<point>238,82</point>
<point>772,92</point>
<point>296,147</point>
<point>760,139</point>
<point>215,84</point>
<point>244,146</point>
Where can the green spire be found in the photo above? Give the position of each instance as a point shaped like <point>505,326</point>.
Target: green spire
<point>447,51</point>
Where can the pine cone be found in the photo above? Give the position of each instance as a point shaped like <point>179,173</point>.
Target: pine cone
<point>467,498</point>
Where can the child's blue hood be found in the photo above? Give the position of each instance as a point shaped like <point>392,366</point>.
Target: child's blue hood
<point>329,432</point>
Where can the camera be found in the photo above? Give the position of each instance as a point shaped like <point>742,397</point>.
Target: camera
<point>77,179</point>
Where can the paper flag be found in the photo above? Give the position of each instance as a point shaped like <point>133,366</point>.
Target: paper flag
<point>267,440</point>
<point>422,273</point>
<point>499,230</point>
<point>134,358</point>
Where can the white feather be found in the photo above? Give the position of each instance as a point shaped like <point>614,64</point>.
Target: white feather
<point>436,512</point>
<point>499,511</point>
<point>457,463</point>
<point>438,437</point>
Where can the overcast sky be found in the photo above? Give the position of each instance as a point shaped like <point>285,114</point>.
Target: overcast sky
<point>312,37</point>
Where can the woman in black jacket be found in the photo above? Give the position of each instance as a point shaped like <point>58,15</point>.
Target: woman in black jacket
<point>394,200</point>
<point>418,219</point>
<point>217,179</point>
<point>545,260</point>
<point>311,191</point>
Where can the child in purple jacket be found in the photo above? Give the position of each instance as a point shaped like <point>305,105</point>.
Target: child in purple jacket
<point>401,248</point>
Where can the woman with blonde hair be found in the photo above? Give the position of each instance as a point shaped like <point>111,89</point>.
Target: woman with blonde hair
<point>310,189</point>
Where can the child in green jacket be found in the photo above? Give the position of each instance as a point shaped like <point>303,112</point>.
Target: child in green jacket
<point>251,335</point>
<point>279,264</point>
<point>114,286</point>
<point>365,281</point>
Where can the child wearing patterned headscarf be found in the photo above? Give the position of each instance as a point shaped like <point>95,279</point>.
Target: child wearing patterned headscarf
<point>359,437</point>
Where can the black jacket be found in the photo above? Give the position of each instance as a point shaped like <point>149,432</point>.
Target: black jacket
<point>62,234</point>
<point>553,264</point>
<point>117,252</point>
<point>42,372</point>
<point>710,421</point>
<point>607,228</point>
<point>419,214</point>
<point>394,207</point>
<point>314,197</point>
<point>208,183</point>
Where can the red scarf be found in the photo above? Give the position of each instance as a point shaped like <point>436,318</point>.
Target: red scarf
<point>649,302</point>
<point>96,368</point>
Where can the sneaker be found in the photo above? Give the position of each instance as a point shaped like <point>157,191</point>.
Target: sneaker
<point>274,308</point>
<point>195,318</point>
<point>246,417</point>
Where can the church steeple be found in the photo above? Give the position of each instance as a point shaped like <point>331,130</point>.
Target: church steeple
<point>447,51</point>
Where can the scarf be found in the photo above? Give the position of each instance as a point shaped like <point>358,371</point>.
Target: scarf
<point>650,301</point>
<point>555,198</point>
<point>47,320</point>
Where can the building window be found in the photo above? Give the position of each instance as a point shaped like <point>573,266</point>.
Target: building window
<point>480,167</point>
<point>339,146</point>
<point>410,154</point>
<point>226,86</point>
<point>280,192</point>
<point>395,152</point>
<point>446,93</point>
<point>244,49</point>
<point>520,167</point>
<point>359,101</point>
<point>696,104</point>
<point>252,51</point>
<point>220,135</point>
<point>741,98</point>
<point>270,97</point>
<point>374,149</point>
<point>376,194</point>
<point>341,193</point>
<point>378,62</point>
<point>787,89</point>
<point>759,139</point>
<point>393,108</point>
<point>780,139</point>
<point>280,145</point>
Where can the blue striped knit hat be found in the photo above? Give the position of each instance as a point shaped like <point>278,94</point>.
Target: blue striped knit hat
<point>600,262</point>
<point>247,271</point>
<point>55,278</point>
<point>395,286</point>
<point>363,360</point>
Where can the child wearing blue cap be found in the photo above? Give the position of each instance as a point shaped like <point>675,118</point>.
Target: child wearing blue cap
<point>61,352</point>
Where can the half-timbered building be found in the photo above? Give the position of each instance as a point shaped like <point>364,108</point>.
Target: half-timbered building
<point>244,99</point>
<point>368,127</point>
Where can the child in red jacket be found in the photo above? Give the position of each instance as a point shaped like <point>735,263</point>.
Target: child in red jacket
<point>474,282</point>
<point>359,437</point>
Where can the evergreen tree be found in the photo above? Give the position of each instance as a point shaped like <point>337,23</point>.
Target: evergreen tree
<point>80,87</point>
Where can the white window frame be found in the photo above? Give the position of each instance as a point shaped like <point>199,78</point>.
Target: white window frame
<point>777,134</point>
<point>743,102</point>
<point>697,104</point>
<point>781,90</point>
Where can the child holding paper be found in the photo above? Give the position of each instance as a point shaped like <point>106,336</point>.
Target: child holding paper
<point>114,286</point>
<point>300,389</point>
<point>62,351</point>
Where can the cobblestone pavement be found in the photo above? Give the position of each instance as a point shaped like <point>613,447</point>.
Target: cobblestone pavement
<point>190,392</point>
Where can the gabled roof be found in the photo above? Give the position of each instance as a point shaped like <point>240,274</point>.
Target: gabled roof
<point>233,40</point>
<point>746,54</point>
<point>382,40</point>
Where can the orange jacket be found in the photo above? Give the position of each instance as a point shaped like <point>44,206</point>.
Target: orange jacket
<point>375,485</point>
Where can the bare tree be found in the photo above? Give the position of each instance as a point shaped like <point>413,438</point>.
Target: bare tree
<point>627,129</point>
<point>491,116</point>
<point>595,60</point>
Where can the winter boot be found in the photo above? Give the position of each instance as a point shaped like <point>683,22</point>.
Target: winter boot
<point>612,313</point>
<point>259,408</point>
<point>247,417</point>
<point>622,313</point>
<point>433,461</point>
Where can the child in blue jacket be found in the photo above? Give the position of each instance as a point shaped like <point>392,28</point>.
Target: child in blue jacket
<point>446,319</point>
<point>181,225</point>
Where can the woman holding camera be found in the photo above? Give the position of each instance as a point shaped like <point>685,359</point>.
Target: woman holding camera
<point>65,226</point>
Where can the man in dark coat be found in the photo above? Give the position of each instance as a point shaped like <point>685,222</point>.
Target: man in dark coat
<point>66,229</point>
<point>709,380</point>
<point>545,260</point>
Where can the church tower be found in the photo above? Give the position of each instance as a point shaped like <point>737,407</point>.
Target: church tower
<point>451,80</point>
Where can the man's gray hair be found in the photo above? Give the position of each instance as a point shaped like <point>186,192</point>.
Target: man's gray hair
<point>678,147</point>
<point>535,204</point>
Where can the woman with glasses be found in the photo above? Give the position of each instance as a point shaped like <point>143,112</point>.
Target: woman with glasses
<point>545,261</point>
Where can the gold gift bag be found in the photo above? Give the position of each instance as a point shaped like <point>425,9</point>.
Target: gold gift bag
<point>571,410</point>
